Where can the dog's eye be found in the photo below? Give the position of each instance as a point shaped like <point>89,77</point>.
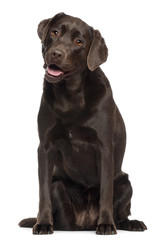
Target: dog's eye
<point>78,42</point>
<point>55,33</point>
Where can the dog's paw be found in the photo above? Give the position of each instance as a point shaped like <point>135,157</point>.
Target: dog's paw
<point>132,225</point>
<point>106,229</point>
<point>42,229</point>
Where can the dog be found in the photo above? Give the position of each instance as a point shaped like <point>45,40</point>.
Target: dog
<point>82,136</point>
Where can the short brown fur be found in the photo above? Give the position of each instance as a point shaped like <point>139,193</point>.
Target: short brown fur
<point>82,136</point>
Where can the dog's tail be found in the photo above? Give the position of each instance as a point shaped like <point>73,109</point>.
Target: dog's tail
<point>28,222</point>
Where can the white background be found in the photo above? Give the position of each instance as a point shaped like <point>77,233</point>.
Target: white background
<point>130,31</point>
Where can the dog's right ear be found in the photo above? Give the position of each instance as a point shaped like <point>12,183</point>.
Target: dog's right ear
<point>44,26</point>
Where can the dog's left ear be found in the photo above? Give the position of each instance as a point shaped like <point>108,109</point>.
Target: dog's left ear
<point>98,51</point>
<point>44,26</point>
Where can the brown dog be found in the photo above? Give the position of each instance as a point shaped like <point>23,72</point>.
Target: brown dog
<point>82,136</point>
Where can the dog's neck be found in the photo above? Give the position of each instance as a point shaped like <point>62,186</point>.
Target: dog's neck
<point>75,84</point>
<point>68,93</point>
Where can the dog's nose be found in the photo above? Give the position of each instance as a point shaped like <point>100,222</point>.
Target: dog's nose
<point>58,53</point>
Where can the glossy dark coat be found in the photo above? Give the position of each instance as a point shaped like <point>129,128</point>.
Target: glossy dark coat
<point>82,136</point>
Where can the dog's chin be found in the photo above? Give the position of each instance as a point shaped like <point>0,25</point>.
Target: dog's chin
<point>54,74</point>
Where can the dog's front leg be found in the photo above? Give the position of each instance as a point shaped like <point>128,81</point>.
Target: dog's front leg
<point>44,223</point>
<point>105,223</point>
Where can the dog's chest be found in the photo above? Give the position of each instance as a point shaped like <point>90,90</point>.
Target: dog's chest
<point>68,105</point>
<point>73,136</point>
<point>78,153</point>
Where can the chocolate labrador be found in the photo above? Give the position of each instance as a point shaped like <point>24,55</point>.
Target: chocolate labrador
<point>82,136</point>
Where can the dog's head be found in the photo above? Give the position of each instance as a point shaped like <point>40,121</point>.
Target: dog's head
<point>69,46</point>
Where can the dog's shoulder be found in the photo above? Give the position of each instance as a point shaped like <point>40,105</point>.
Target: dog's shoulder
<point>99,78</point>
<point>97,87</point>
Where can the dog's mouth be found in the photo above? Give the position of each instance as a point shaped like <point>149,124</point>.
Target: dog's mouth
<point>54,73</point>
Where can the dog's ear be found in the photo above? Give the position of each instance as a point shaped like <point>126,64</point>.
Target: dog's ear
<point>98,51</point>
<point>44,26</point>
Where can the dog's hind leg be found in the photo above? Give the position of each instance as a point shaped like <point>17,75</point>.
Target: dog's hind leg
<point>122,204</point>
<point>122,198</point>
<point>28,222</point>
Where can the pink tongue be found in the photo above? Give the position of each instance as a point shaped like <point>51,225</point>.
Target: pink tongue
<point>54,72</point>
